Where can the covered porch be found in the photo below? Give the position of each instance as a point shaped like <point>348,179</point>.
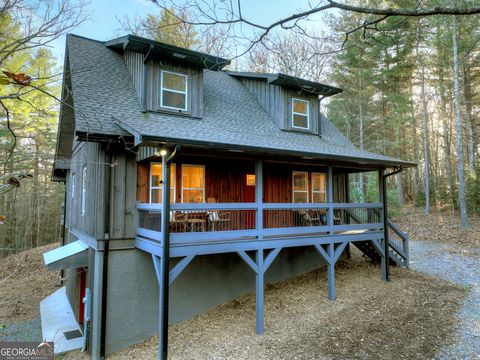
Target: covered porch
<point>254,208</point>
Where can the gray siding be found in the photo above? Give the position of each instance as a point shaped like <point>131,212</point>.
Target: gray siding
<point>277,102</point>
<point>91,156</point>
<point>272,98</point>
<point>136,69</point>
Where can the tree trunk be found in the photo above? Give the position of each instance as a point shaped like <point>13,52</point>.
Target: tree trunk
<point>468,116</point>
<point>425,142</point>
<point>458,126</point>
<point>361,177</point>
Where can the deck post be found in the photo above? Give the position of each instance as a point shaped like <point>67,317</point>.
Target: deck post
<point>259,292</point>
<point>259,196</point>
<point>331,272</point>
<point>331,215</point>
<point>383,264</point>
<point>164,280</point>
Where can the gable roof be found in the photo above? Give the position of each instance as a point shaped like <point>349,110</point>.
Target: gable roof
<point>107,104</point>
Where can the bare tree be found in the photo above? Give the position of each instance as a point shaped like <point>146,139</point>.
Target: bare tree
<point>458,126</point>
<point>213,13</point>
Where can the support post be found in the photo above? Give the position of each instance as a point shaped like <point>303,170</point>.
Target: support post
<point>330,199</point>
<point>259,196</point>
<point>165,263</point>
<point>381,191</point>
<point>331,272</point>
<point>259,293</point>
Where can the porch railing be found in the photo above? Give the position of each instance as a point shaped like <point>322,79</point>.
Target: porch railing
<point>226,221</point>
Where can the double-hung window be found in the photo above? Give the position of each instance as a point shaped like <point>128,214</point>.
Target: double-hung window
<point>319,187</point>
<point>84,191</point>
<point>301,190</point>
<point>300,114</point>
<point>173,91</point>
<point>156,183</point>
<point>300,187</point>
<point>193,183</point>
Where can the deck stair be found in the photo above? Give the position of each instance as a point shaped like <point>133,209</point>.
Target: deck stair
<point>398,244</point>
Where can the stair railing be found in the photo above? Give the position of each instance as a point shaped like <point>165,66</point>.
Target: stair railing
<point>398,246</point>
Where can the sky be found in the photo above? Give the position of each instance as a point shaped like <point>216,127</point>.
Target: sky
<point>104,25</point>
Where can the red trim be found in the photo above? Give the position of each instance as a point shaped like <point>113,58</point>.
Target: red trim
<point>83,286</point>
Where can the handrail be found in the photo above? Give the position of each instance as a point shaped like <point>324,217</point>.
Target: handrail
<point>253,206</point>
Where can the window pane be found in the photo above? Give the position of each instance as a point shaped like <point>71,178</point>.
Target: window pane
<point>174,82</point>
<point>299,197</point>
<point>319,197</point>
<point>300,181</point>
<point>300,107</point>
<point>156,196</point>
<point>157,175</point>
<point>300,121</point>
<point>193,176</point>
<point>174,100</point>
<point>318,182</point>
<point>192,196</point>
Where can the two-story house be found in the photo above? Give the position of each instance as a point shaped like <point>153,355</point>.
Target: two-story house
<point>190,185</point>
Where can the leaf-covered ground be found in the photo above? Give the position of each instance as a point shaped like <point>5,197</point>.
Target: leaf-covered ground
<point>412,317</point>
<point>440,227</point>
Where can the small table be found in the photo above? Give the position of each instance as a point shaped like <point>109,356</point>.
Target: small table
<point>196,224</point>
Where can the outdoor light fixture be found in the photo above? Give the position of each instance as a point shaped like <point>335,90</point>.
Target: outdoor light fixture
<point>163,152</point>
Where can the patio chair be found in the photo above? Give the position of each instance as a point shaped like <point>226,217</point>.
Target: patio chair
<point>217,219</point>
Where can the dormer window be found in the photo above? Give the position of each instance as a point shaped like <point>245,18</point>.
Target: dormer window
<point>300,114</point>
<point>173,91</point>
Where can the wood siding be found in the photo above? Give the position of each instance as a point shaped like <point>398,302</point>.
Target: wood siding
<point>277,102</point>
<point>225,180</point>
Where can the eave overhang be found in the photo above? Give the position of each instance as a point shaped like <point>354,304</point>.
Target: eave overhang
<point>146,140</point>
<point>290,82</point>
<point>158,50</point>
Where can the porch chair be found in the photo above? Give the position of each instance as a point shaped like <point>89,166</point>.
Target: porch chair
<point>217,219</point>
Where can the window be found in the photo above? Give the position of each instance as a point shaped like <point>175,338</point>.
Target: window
<point>173,91</point>
<point>156,184</point>
<point>319,187</point>
<point>193,183</point>
<point>72,189</point>
<point>300,187</point>
<point>300,114</point>
<point>84,190</point>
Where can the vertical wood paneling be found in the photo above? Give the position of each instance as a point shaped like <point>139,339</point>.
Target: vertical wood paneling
<point>135,67</point>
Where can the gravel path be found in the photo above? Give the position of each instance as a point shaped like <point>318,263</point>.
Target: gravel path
<point>443,261</point>
<point>22,331</point>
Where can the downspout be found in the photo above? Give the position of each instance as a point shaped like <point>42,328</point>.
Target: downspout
<point>64,229</point>
<point>165,283</point>
<point>106,248</point>
<point>385,221</point>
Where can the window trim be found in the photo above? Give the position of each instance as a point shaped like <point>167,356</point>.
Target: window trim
<point>150,187</point>
<point>174,91</point>
<point>204,180</point>
<point>83,208</point>
<point>72,186</point>
<point>296,113</point>
<point>301,191</point>
<point>326,186</point>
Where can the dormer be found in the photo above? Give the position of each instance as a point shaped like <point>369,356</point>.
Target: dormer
<point>293,103</point>
<point>167,78</point>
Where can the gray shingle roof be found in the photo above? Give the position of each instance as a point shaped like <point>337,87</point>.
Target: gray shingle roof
<point>106,103</point>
